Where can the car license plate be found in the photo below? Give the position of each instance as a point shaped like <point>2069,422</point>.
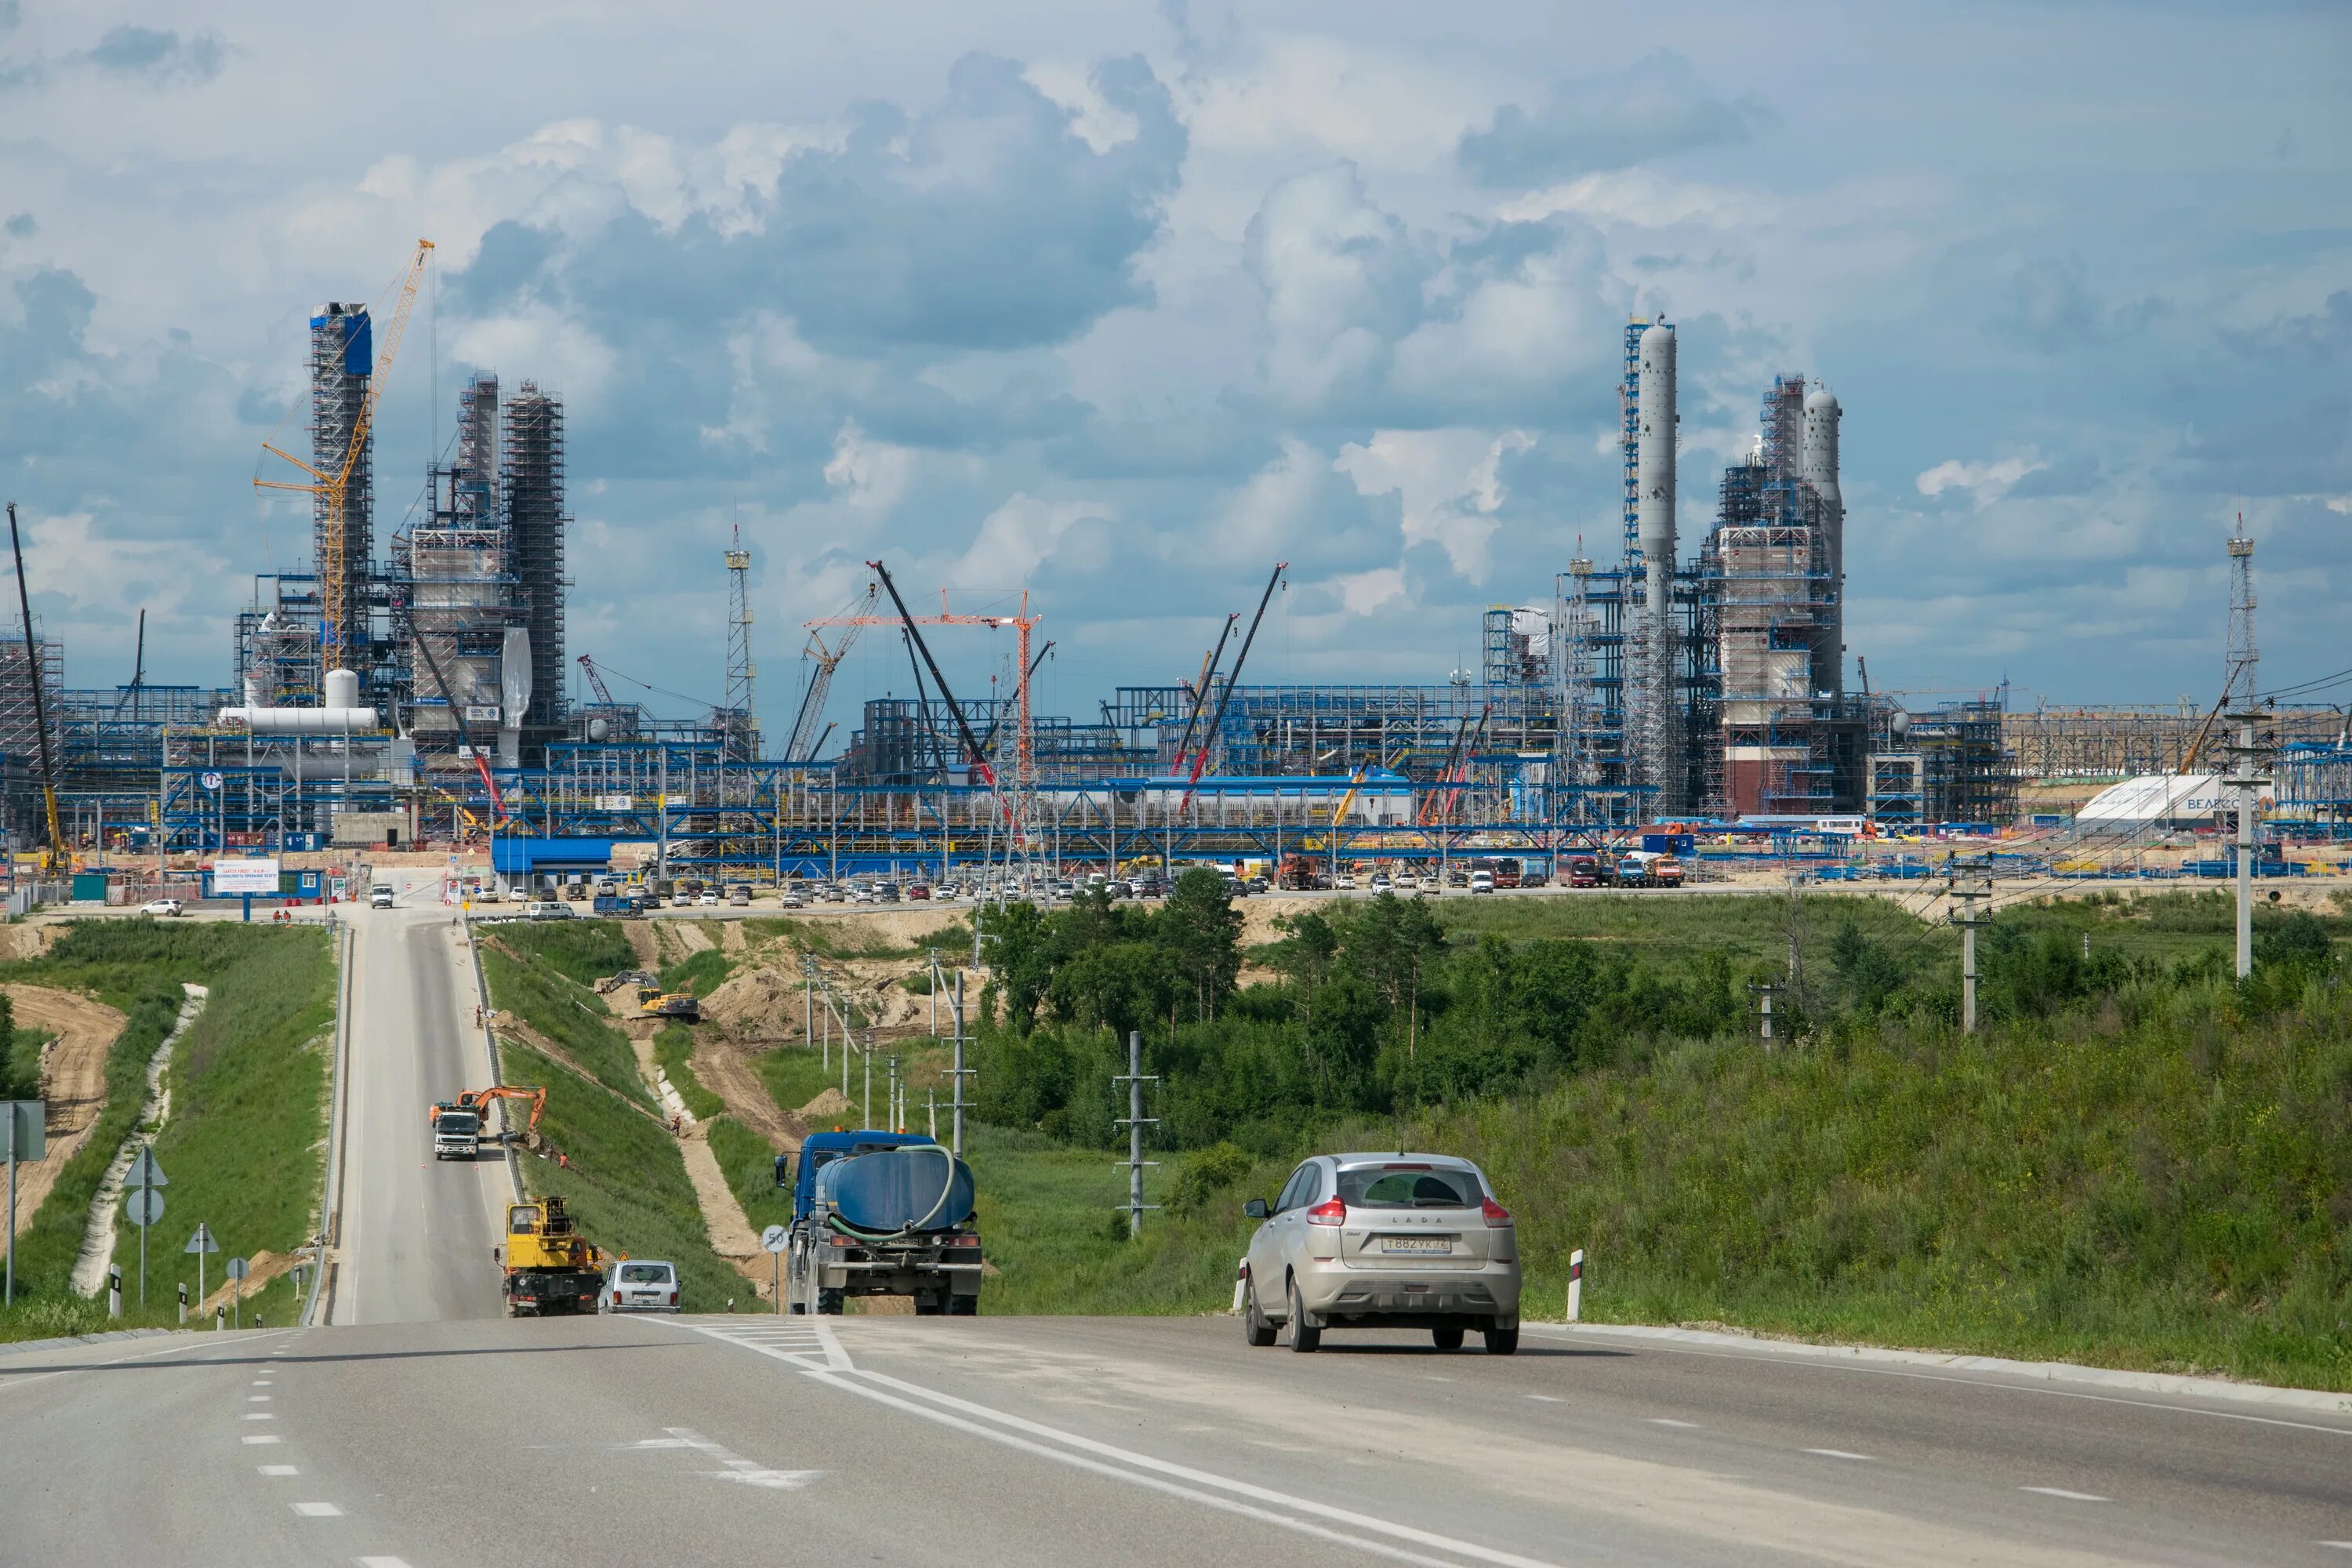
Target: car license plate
<point>1416,1244</point>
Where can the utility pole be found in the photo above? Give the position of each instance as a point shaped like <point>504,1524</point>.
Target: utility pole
<point>867,1054</point>
<point>2245,777</point>
<point>959,1072</point>
<point>1763,990</point>
<point>808,997</point>
<point>1967,898</point>
<point>1135,1122</point>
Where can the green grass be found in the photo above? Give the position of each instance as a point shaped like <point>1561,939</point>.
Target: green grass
<point>749,1165</point>
<point>571,1014</point>
<point>626,1182</point>
<point>794,1076</point>
<point>2167,1188</point>
<point>245,1145</point>
<point>1052,1225</point>
<point>242,1146</point>
<point>20,1074</point>
<point>674,1049</point>
<point>828,939</point>
<point>581,951</point>
<point>701,972</point>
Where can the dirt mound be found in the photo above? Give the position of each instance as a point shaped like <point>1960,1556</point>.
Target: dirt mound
<point>759,1002</point>
<point>73,1080</point>
<point>265,1266</point>
<point>641,942</point>
<point>825,1107</point>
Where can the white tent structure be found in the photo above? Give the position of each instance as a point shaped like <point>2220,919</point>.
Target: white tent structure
<point>2163,800</point>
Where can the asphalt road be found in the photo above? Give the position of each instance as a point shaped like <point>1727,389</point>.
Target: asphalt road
<point>983,1441</point>
<point>417,1233</point>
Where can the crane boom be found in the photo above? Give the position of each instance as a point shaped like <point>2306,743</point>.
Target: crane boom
<point>332,587</point>
<point>799,749</point>
<point>596,681</point>
<point>955,708</point>
<point>1225,697</point>
<point>1200,690</point>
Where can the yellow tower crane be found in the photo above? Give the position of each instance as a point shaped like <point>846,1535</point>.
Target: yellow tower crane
<point>332,588</point>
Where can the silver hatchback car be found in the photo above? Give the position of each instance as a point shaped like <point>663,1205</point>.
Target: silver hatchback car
<point>1383,1241</point>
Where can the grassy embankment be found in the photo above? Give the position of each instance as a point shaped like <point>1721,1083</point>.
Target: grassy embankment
<point>2160,1176</point>
<point>244,1146</point>
<point>626,1182</point>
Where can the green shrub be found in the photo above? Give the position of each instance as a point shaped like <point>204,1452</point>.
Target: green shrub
<point>674,1049</point>
<point>583,952</point>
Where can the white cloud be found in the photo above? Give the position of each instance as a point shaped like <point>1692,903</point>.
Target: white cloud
<point>1015,539</point>
<point>1449,482</point>
<point>872,475</point>
<point>1333,97</point>
<point>1985,482</point>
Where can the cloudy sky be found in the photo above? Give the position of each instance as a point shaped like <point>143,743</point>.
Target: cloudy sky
<point>1122,303</point>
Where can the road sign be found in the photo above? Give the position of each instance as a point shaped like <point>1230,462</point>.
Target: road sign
<point>145,1206</point>
<point>211,781</point>
<point>255,874</point>
<point>144,1172</point>
<point>236,1268</point>
<point>202,1241</point>
<point>28,1121</point>
<point>774,1237</point>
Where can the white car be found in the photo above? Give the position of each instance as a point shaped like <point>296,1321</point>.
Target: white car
<point>708,900</point>
<point>641,1285</point>
<point>161,907</point>
<point>1344,882</point>
<point>790,899</point>
<point>380,896</point>
<point>1481,881</point>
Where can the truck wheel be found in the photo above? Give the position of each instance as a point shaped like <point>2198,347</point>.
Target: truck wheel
<point>1304,1335</point>
<point>963,1306</point>
<point>1256,1332</point>
<point>928,1305</point>
<point>828,1303</point>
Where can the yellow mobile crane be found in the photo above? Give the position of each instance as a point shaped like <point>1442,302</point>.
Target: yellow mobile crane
<point>53,858</point>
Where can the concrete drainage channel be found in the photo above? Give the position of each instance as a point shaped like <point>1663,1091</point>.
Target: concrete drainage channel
<point>98,1237</point>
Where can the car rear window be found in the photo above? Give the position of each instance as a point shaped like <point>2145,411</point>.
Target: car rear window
<point>1410,1187</point>
<point>645,1273</point>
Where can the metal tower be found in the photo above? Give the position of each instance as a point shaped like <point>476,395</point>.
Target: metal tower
<point>2238,671</point>
<point>744,724</point>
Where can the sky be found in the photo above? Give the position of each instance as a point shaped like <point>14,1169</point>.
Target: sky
<point>1119,304</point>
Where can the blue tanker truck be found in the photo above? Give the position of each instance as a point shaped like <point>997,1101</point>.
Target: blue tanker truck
<point>880,1214</point>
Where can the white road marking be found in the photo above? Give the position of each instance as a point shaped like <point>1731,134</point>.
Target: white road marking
<point>1669,1421</point>
<point>257,1399</point>
<point>379,1562</point>
<point>2070,1497</point>
<point>260,1416</point>
<point>1545,1399</point>
<point>317,1509</point>
<point>737,1468</point>
<point>2339,1545</point>
<point>1146,1462</point>
<point>257,1442</point>
<point>261,1383</point>
<point>1838,1453</point>
<point>277,1469</point>
<point>839,1372</point>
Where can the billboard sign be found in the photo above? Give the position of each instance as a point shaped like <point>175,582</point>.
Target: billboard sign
<point>256,875</point>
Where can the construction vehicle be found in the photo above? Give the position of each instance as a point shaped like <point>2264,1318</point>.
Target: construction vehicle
<point>550,1266</point>
<point>880,1214</point>
<point>655,1003</point>
<point>476,1103</point>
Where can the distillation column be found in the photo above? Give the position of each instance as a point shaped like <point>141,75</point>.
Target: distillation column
<point>1820,473</point>
<point>1659,753</point>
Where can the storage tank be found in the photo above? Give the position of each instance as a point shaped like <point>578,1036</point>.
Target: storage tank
<point>341,713</point>
<point>886,1192</point>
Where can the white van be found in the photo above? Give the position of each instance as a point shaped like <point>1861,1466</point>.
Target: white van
<point>380,896</point>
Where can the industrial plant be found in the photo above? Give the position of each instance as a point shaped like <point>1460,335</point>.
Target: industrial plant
<point>409,687</point>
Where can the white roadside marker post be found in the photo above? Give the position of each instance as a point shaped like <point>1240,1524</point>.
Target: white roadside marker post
<point>1576,1285</point>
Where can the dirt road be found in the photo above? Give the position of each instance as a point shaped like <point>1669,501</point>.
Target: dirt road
<point>73,1080</point>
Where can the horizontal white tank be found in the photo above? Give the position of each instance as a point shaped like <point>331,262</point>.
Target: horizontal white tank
<point>341,713</point>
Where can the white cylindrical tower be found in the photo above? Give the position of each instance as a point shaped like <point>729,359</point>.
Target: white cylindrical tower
<point>1655,456</point>
<point>1659,753</point>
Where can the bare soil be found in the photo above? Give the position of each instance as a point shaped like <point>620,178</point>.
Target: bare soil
<point>262,1267</point>
<point>73,1080</point>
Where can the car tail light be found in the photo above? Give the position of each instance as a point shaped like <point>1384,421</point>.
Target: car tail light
<point>1497,1216</point>
<point>1330,1210</point>
<point>673,1298</point>
<point>616,1297</point>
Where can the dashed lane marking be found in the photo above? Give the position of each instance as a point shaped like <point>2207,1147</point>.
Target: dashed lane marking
<point>1669,1421</point>
<point>257,1399</point>
<point>257,1442</point>
<point>317,1509</point>
<point>379,1562</point>
<point>277,1469</point>
<point>1838,1453</point>
<point>1545,1399</point>
<point>260,1415</point>
<point>2070,1497</point>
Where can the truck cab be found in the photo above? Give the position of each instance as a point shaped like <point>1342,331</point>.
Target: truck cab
<point>456,1135</point>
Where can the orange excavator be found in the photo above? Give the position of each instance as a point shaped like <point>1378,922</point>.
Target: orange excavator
<point>476,1103</point>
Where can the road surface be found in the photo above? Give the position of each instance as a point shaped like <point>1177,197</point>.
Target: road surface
<point>417,1233</point>
<point>1076,1441</point>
